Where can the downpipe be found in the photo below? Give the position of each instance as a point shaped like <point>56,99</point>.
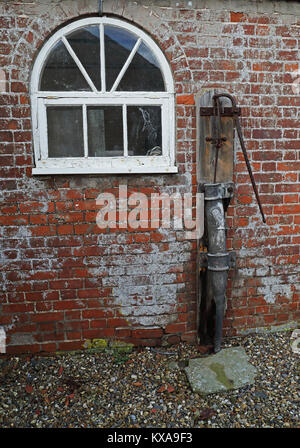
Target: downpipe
<point>219,261</point>
<point>218,282</point>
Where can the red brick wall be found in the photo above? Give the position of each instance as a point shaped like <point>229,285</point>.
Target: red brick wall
<point>63,280</point>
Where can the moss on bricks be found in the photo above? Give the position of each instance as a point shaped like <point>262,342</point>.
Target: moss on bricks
<point>101,345</point>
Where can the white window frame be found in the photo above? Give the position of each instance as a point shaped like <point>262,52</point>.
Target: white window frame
<point>94,165</point>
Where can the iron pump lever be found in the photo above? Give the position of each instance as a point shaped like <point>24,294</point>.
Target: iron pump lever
<point>242,143</point>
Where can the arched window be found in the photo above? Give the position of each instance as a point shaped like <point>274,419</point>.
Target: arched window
<point>102,101</point>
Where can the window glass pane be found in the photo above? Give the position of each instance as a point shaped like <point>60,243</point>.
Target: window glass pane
<point>61,72</point>
<point>105,131</point>
<point>118,46</point>
<point>86,44</point>
<point>144,130</point>
<point>65,131</point>
<point>143,74</point>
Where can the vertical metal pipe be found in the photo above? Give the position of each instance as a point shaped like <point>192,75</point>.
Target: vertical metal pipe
<point>219,283</point>
<point>218,261</point>
<point>100,7</point>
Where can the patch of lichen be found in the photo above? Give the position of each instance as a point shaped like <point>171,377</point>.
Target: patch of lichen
<point>102,345</point>
<point>115,348</point>
<point>221,375</point>
<point>98,345</point>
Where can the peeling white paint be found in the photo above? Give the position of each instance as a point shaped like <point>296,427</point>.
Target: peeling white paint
<point>147,305</point>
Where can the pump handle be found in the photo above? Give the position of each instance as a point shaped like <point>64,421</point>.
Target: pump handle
<point>242,143</point>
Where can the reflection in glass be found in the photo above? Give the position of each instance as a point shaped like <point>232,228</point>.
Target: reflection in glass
<point>65,131</point>
<point>118,46</point>
<point>86,44</point>
<point>61,72</point>
<point>105,131</point>
<point>144,130</point>
<point>143,73</point>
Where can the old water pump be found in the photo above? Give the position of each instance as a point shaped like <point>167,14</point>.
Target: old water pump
<point>217,121</point>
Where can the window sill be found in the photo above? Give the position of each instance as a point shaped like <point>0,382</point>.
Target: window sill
<point>121,170</point>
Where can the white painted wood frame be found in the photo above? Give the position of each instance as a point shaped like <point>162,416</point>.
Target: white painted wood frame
<point>93,165</point>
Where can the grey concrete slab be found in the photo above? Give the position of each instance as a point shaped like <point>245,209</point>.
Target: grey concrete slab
<point>229,369</point>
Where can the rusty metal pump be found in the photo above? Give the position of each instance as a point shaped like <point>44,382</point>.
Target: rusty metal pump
<point>217,125</point>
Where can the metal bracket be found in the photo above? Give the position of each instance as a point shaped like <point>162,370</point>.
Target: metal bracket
<point>225,112</point>
<point>217,262</point>
<point>216,141</point>
<point>217,191</point>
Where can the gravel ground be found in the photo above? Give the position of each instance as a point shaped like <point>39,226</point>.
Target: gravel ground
<point>143,389</point>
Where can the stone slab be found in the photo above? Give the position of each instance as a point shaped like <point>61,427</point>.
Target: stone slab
<point>226,370</point>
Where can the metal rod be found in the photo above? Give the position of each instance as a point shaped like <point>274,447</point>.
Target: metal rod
<point>240,135</point>
<point>239,131</point>
<point>100,7</point>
